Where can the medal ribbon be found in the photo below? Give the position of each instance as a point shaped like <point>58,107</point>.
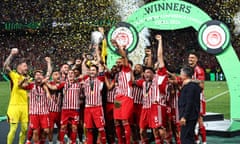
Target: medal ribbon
<point>37,92</point>
<point>148,85</point>
<point>91,84</point>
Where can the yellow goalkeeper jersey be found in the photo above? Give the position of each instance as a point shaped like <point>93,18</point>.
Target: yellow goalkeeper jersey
<point>18,95</point>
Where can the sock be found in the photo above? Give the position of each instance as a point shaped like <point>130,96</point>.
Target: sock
<point>11,133</point>
<point>203,133</point>
<point>196,139</point>
<point>178,129</point>
<point>23,132</point>
<point>177,133</point>
<point>157,140</point>
<point>119,133</point>
<point>127,129</point>
<point>169,137</point>
<point>73,136</point>
<point>89,136</point>
<point>29,134</point>
<point>42,141</point>
<point>178,141</point>
<point>102,135</point>
<point>61,135</point>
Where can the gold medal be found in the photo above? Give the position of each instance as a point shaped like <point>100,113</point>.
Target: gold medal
<point>92,92</point>
<point>146,95</point>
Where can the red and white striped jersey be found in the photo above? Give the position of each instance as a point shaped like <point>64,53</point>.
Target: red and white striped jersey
<point>147,94</point>
<point>172,96</point>
<point>199,74</point>
<point>172,99</point>
<point>137,94</point>
<point>112,92</point>
<point>38,101</point>
<point>111,95</point>
<point>159,87</point>
<point>124,82</point>
<point>93,90</point>
<point>71,95</point>
<point>156,90</point>
<point>55,102</point>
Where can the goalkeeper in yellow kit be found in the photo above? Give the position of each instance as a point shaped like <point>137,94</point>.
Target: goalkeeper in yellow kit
<point>18,105</point>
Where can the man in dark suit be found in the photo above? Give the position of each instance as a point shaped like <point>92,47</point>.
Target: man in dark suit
<point>189,105</point>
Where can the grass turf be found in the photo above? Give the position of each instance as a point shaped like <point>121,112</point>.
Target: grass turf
<point>4,97</point>
<point>222,103</point>
<point>219,105</point>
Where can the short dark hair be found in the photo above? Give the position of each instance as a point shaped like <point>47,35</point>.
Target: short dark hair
<point>56,69</point>
<point>63,65</point>
<point>188,71</point>
<point>149,68</point>
<point>21,60</point>
<point>93,65</point>
<point>38,71</point>
<point>77,67</point>
<point>194,53</point>
<point>130,62</point>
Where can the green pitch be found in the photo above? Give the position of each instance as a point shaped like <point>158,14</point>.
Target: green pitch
<point>216,94</point>
<point>4,97</point>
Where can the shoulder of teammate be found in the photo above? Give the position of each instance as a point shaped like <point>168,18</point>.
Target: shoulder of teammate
<point>30,86</point>
<point>126,68</point>
<point>52,83</point>
<point>162,77</point>
<point>84,77</point>
<point>162,71</point>
<point>200,73</point>
<point>139,82</point>
<point>12,74</point>
<point>61,85</point>
<point>101,76</point>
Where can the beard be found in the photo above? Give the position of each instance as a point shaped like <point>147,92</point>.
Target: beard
<point>38,81</point>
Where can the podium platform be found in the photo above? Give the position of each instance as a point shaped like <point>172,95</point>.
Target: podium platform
<point>216,125</point>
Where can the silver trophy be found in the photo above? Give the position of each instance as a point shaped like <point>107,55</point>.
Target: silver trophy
<point>96,37</point>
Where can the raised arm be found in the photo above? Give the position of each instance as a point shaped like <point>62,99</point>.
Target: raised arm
<point>122,52</point>
<point>109,84</point>
<point>51,87</point>
<point>160,52</point>
<point>84,67</point>
<point>45,87</point>
<point>7,62</point>
<point>98,55</point>
<point>24,83</point>
<point>148,53</point>
<point>49,66</point>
